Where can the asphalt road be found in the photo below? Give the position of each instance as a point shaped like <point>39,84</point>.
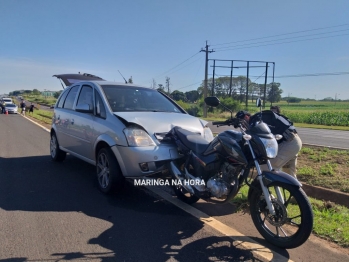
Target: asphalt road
<point>310,136</point>
<point>54,211</point>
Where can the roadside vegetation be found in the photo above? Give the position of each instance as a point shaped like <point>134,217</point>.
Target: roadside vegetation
<point>43,116</point>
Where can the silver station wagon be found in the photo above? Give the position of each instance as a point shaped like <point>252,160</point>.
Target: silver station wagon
<point>117,127</point>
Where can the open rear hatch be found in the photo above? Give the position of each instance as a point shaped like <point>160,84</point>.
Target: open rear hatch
<point>69,79</point>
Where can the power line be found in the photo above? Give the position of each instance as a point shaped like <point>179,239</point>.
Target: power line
<point>297,32</point>
<point>281,43</point>
<point>282,76</point>
<point>188,85</point>
<point>296,75</point>
<point>315,74</point>
<point>222,48</point>
<point>178,65</point>
<point>186,65</point>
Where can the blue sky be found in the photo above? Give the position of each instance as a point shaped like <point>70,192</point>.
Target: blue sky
<point>154,39</point>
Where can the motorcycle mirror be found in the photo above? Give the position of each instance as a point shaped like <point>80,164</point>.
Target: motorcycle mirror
<point>212,101</point>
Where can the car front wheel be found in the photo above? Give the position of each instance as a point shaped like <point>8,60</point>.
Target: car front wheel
<point>109,176</point>
<point>57,155</point>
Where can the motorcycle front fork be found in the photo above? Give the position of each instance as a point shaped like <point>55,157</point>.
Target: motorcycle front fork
<point>265,190</point>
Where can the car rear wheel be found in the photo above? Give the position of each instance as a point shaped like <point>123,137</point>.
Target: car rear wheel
<point>57,155</point>
<point>109,176</point>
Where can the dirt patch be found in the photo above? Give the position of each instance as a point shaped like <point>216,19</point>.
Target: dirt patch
<point>324,167</point>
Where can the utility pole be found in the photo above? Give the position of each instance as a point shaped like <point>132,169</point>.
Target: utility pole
<point>206,73</point>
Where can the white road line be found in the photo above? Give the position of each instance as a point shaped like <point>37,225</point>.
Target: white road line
<point>247,243</point>
<point>36,123</point>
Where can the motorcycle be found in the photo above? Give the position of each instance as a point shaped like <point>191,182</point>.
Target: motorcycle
<point>215,171</point>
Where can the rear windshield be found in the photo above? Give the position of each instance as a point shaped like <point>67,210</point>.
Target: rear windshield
<point>7,99</point>
<point>129,98</point>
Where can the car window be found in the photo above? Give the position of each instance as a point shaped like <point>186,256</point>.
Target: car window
<point>100,108</point>
<point>127,98</point>
<point>62,98</point>
<point>86,96</point>
<point>69,101</point>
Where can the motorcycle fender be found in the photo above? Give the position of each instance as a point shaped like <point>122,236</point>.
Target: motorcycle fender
<point>271,177</point>
<point>279,176</point>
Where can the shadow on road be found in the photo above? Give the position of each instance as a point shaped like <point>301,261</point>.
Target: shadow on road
<point>144,227</point>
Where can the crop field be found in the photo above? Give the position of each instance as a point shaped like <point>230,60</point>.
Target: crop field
<point>327,113</point>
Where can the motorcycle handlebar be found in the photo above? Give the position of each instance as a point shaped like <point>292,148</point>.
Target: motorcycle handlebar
<point>230,122</point>
<point>219,123</point>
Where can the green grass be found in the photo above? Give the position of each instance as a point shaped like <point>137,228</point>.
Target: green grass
<point>42,115</point>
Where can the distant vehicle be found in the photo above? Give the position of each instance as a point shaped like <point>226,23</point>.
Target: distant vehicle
<point>11,108</point>
<point>120,128</point>
<point>7,100</point>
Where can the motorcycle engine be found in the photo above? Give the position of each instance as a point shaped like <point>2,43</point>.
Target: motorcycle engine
<point>219,185</point>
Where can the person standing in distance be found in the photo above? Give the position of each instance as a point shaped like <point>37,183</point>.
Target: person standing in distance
<point>23,106</point>
<point>289,145</point>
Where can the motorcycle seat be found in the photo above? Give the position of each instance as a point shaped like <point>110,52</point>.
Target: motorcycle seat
<point>194,141</point>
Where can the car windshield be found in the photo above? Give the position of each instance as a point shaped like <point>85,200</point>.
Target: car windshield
<point>10,105</point>
<point>130,98</point>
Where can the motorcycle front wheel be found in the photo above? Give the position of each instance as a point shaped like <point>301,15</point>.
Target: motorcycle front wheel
<point>292,223</point>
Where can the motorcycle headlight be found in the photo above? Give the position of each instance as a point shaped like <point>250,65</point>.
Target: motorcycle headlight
<point>138,137</point>
<point>208,134</point>
<point>271,147</point>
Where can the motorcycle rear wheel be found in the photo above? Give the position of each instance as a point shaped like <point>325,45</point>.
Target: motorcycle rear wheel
<point>184,195</point>
<point>292,224</point>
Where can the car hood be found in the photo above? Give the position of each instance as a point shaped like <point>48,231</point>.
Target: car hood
<point>162,122</point>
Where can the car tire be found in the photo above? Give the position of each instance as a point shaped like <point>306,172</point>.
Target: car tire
<point>57,155</point>
<point>109,176</point>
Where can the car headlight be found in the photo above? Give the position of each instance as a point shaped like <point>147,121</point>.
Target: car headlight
<point>208,134</point>
<point>137,137</point>
<point>271,147</point>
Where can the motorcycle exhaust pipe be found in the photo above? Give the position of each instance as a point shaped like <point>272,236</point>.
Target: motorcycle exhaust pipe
<point>178,174</point>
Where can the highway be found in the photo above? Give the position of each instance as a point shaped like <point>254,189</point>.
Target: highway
<point>310,136</point>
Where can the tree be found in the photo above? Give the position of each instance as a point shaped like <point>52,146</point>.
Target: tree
<point>192,96</point>
<point>161,88</point>
<point>253,90</point>
<point>200,90</point>
<point>210,89</point>
<point>241,80</point>
<point>56,94</point>
<point>274,93</point>
<point>178,95</point>
<point>293,100</point>
<point>227,86</point>
<point>36,92</point>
